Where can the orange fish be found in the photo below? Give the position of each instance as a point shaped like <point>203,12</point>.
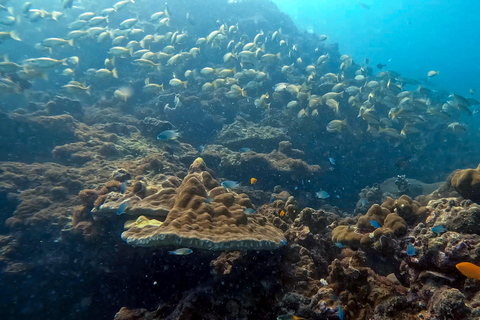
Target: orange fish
<point>253,181</point>
<point>469,269</point>
<point>282,213</point>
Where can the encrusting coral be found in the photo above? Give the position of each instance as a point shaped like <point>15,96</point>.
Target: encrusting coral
<point>218,225</point>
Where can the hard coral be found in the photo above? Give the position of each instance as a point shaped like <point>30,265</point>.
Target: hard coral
<point>467,183</point>
<point>364,234</point>
<point>218,225</point>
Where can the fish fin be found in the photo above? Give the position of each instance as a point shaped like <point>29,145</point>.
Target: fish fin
<point>114,73</point>
<point>147,81</point>
<point>70,42</point>
<point>88,90</point>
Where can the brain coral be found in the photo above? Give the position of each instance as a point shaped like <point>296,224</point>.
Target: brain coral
<point>218,225</point>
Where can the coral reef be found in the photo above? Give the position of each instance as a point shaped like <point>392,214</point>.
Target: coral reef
<point>243,133</point>
<point>274,168</point>
<point>218,225</point>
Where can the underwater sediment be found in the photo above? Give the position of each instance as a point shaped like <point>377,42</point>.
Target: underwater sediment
<point>225,166</point>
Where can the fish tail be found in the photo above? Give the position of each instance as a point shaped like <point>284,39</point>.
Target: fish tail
<point>185,83</point>
<point>88,90</point>
<point>114,73</point>
<point>70,42</point>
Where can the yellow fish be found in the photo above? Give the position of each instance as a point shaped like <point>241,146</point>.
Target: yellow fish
<point>253,181</point>
<point>469,270</point>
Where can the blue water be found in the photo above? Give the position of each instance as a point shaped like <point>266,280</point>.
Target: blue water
<point>411,37</point>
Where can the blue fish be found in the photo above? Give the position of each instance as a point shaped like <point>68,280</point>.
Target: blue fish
<point>121,209</point>
<point>364,203</point>
<point>168,135</point>
<point>322,194</point>
<point>339,244</point>
<point>439,229</point>
<point>230,184</point>
<point>332,161</point>
<point>249,211</point>
<point>284,242</point>
<point>201,148</point>
<point>208,200</point>
<point>181,252</point>
<point>244,149</point>
<point>123,187</point>
<point>375,224</point>
<point>411,250</point>
<point>340,312</point>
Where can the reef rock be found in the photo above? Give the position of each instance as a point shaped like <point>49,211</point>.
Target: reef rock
<point>271,169</point>
<point>243,133</point>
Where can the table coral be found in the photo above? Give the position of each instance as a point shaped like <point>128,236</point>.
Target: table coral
<point>218,225</point>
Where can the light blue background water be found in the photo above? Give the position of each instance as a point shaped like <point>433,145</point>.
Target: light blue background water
<point>416,36</point>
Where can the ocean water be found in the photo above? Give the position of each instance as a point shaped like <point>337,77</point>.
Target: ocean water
<point>253,127</point>
<point>406,35</point>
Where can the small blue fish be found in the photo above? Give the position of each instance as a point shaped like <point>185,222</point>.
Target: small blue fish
<point>332,161</point>
<point>201,148</point>
<point>439,229</point>
<point>230,184</point>
<point>121,209</point>
<point>411,250</point>
<point>244,149</point>
<point>322,194</point>
<point>249,211</point>
<point>284,242</point>
<point>340,312</point>
<point>375,224</point>
<point>296,188</point>
<point>208,200</point>
<point>168,135</point>
<point>123,187</point>
<point>364,203</point>
<point>181,252</point>
<point>339,244</point>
